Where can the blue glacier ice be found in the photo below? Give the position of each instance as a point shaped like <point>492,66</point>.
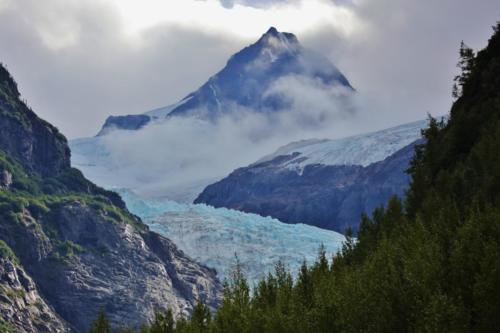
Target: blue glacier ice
<point>213,236</point>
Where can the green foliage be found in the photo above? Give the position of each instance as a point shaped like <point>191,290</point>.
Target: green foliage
<point>41,195</point>
<point>101,324</point>
<point>21,180</point>
<point>65,251</point>
<point>200,319</point>
<point>234,312</point>
<point>162,323</point>
<point>6,252</point>
<point>6,327</point>
<point>466,65</point>
<point>12,293</point>
<point>35,202</point>
<point>125,330</point>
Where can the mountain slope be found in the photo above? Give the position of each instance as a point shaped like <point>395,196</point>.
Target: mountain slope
<point>80,246</point>
<point>246,81</point>
<point>325,183</point>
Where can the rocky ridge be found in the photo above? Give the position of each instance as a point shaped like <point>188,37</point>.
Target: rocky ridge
<point>327,196</point>
<point>77,243</point>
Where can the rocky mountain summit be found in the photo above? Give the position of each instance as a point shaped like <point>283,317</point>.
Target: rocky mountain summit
<point>73,248</point>
<point>245,82</point>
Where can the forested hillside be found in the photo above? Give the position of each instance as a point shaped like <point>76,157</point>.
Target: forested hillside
<point>429,264</point>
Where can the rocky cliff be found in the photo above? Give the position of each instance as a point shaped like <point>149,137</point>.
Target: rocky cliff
<point>20,302</point>
<point>78,245</point>
<point>327,196</point>
<point>24,136</point>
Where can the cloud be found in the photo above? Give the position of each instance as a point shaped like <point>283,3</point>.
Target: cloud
<point>404,58</point>
<point>271,3</point>
<point>313,103</point>
<point>179,156</point>
<point>256,3</point>
<point>77,62</point>
<point>76,65</point>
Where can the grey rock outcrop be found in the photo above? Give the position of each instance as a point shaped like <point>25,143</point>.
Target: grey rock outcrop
<point>22,309</point>
<point>91,264</point>
<point>5,179</point>
<point>128,122</point>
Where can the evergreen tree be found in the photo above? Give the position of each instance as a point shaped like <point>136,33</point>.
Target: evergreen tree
<point>163,322</point>
<point>200,318</point>
<point>101,324</point>
<point>305,286</point>
<point>233,314</point>
<point>465,64</point>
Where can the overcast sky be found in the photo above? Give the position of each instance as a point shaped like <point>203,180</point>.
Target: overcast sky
<point>78,61</point>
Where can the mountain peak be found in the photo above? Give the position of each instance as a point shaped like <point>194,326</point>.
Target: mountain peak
<point>274,37</point>
<point>272,31</point>
<point>246,80</point>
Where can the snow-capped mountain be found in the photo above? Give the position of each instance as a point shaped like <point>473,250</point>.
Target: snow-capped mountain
<point>212,236</point>
<point>271,92</point>
<point>325,183</point>
<point>363,149</point>
<point>246,82</point>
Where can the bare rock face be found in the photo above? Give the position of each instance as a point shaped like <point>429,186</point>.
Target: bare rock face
<point>22,309</point>
<point>5,179</point>
<point>91,263</point>
<point>125,271</point>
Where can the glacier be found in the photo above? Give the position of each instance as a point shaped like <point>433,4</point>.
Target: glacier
<point>364,149</point>
<point>213,236</point>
